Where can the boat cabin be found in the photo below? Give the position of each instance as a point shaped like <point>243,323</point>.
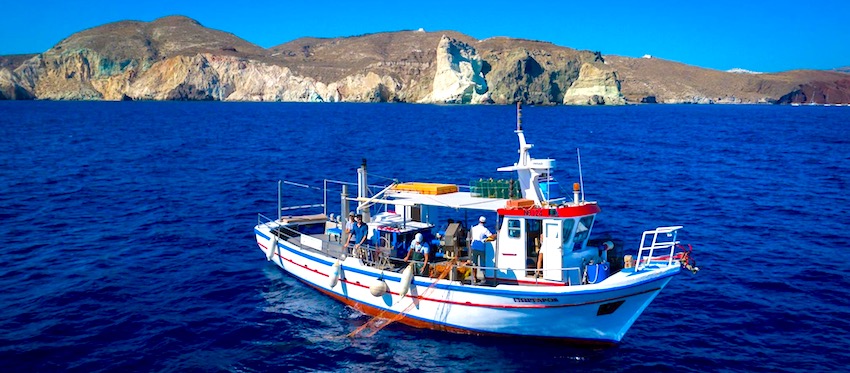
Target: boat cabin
<point>559,234</point>
<point>538,237</point>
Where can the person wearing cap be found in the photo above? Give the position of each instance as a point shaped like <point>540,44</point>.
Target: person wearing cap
<point>480,235</point>
<point>359,231</point>
<point>349,223</point>
<point>419,248</point>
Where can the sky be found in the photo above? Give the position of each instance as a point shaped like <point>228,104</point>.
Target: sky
<point>765,36</point>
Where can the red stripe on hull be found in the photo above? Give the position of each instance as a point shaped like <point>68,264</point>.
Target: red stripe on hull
<point>499,306</point>
<point>421,324</point>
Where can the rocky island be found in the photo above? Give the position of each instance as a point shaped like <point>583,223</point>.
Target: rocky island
<point>176,58</point>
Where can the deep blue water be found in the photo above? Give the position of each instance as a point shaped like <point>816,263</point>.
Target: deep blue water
<point>128,244</point>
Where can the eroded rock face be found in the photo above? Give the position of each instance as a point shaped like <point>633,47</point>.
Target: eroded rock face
<point>11,88</point>
<point>530,71</point>
<point>227,78</point>
<point>594,86</point>
<point>246,80</point>
<point>367,88</point>
<point>459,79</point>
<point>176,58</point>
<point>179,78</point>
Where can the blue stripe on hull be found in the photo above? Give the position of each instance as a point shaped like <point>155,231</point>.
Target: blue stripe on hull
<point>389,276</point>
<point>536,322</point>
<point>373,310</point>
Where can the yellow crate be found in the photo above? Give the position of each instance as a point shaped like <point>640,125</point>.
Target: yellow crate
<point>426,188</point>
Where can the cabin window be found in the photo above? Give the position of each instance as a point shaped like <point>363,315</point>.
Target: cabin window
<point>582,231</point>
<point>568,230</point>
<point>514,228</point>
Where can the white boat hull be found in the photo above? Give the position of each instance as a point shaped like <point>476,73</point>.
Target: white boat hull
<point>599,313</point>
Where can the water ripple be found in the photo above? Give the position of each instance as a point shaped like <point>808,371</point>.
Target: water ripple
<point>129,245</point>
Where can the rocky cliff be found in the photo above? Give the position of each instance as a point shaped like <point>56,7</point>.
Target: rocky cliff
<point>176,58</point>
<point>656,80</point>
<point>594,86</point>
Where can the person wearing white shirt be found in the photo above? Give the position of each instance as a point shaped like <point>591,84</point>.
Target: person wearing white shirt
<point>480,235</point>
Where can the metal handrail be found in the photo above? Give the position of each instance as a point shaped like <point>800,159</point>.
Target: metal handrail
<point>375,251</point>
<point>654,244</point>
<point>326,245</point>
<point>569,270</point>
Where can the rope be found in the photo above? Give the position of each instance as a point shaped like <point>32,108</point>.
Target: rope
<point>383,177</point>
<point>687,260</point>
<point>374,322</point>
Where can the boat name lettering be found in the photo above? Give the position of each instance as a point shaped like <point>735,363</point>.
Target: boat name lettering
<point>534,300</point>
<point>541,212</point>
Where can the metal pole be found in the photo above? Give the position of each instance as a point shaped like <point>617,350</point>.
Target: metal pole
<point>279,208</point>
<point>344,213</point>
<point>580,176</point>
<point>496,250</point>
<point>363,191</point>
<point>519,115</point>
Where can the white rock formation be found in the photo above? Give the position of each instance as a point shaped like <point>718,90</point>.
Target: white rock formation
<point>458,79</point>
<point>248,80</point>
<point>226,78</point>
<point>367,88</point>
<point>738,70</point>
<point>594,86</point>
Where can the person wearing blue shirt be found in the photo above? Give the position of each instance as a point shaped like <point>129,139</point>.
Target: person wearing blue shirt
<point>359,231</point>
<point>420,250</point>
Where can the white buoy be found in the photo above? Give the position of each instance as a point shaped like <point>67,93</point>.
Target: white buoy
<point>334,274</point>
<point>273,248</point>
<point>378,288</point>
<point>406,279</point>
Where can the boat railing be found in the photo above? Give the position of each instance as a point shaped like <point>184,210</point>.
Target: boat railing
<point>380,256</point>
<point>661,239</point>
<point>468,269</point>
<point>304,241</point>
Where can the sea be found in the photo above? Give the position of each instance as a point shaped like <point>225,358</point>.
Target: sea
<point>128,246</point>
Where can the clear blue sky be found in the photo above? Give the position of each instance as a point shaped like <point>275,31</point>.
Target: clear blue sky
<point>755,35</point>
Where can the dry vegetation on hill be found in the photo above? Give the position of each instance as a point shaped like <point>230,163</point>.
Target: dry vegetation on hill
<point>194,62</point>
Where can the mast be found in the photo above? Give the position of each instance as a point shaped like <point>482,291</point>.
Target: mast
<point>527,168</point>
<point>362,191</point>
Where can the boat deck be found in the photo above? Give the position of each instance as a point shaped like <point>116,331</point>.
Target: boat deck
<point>381,258</point>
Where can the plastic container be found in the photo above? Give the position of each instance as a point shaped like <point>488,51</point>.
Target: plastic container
<point>596,273</point>
<point>427,188</point>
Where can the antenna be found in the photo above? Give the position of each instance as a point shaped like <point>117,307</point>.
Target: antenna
<point>580,176</point>
<point>519,116</point>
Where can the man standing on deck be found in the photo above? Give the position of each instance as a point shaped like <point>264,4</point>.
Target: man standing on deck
<point>480,235</point>
<point>420,250</point>
<point>359,231</point>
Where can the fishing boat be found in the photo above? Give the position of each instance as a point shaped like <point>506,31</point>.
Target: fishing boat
<point>539,275</point>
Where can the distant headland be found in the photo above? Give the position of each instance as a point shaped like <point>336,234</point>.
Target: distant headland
<point>176,58</point>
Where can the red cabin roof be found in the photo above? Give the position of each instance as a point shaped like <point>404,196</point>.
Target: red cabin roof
<point>561,212</point>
